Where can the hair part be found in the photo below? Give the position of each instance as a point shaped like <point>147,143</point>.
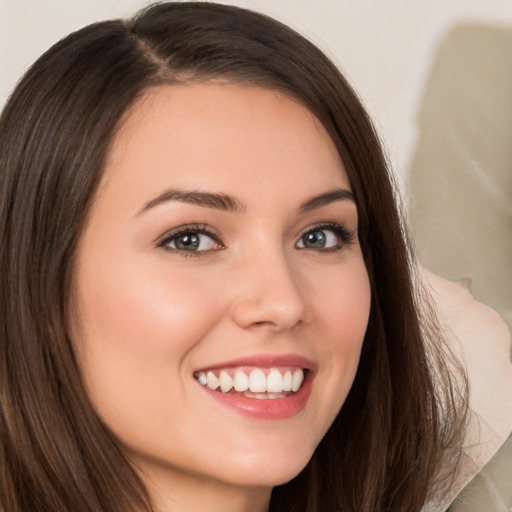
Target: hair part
<point>398,423</point>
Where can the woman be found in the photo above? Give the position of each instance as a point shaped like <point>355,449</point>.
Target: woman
<point>206,299</point>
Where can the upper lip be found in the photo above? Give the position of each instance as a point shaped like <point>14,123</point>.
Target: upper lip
<point>264,361</point>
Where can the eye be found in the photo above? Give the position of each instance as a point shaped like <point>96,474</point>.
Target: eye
<point>326,238</point>
<point>188,240</point>
<point>191,242</point>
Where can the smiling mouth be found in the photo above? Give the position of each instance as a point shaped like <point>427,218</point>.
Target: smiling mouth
<point>254,382</point>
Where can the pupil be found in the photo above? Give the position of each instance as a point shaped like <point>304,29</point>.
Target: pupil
<point>188,242</point>
<point>315,239</point>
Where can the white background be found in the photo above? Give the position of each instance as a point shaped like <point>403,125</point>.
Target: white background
<point>385,47</point>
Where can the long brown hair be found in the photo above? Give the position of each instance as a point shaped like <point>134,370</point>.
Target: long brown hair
<point>399,422</point>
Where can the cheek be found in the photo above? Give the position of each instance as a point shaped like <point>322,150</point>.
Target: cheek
<point>137,325</point>
<point>342,311</point>
<point>342,302</point>
<point>141,307</point>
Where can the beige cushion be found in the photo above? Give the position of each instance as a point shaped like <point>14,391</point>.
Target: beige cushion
<point>482,341</point>
<point>491,489</point>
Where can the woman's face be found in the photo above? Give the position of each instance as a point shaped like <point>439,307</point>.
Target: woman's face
<point>221,250</point>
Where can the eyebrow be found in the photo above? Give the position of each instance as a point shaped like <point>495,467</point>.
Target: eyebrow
<point>338,194</point>
<point>206,199</point>
<point>229,203</point>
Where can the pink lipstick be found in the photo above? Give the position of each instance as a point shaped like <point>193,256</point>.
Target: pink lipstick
<point>262,386</point>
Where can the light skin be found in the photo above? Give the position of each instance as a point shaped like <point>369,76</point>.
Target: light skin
<point>276,269</point>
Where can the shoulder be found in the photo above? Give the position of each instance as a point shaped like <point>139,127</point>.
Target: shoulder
<point>481,341</point>
<point>491,488</point>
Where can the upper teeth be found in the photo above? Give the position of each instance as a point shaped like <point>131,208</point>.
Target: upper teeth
<point>255,381</point>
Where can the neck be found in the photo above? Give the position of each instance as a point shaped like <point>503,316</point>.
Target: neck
<point>177,492</point>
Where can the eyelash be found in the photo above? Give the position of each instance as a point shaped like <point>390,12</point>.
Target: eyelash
<point>189,229</point>
<point>345,236</point>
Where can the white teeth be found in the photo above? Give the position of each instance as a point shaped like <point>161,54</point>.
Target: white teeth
<point>211,381</point>
<point>257,381</point>
<point>287,381</point>
<point>255,385</point>
<point>226,382</point>
<point>297,379</point>
<point>241,381</point>
<point>265,396</point>
<point>274,382</point>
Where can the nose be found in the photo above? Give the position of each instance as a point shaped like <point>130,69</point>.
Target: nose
<point>268,294</point>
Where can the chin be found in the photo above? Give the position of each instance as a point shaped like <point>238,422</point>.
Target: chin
<point>269,471</point>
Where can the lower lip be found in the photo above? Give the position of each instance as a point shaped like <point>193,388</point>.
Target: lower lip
<point>268,409</point>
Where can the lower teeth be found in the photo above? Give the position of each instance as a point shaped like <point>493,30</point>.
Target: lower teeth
<point>265,396</point>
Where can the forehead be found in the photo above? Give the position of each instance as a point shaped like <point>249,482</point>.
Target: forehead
<point>223,136</point>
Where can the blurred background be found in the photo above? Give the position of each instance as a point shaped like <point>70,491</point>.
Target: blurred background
<point>435,75</point>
